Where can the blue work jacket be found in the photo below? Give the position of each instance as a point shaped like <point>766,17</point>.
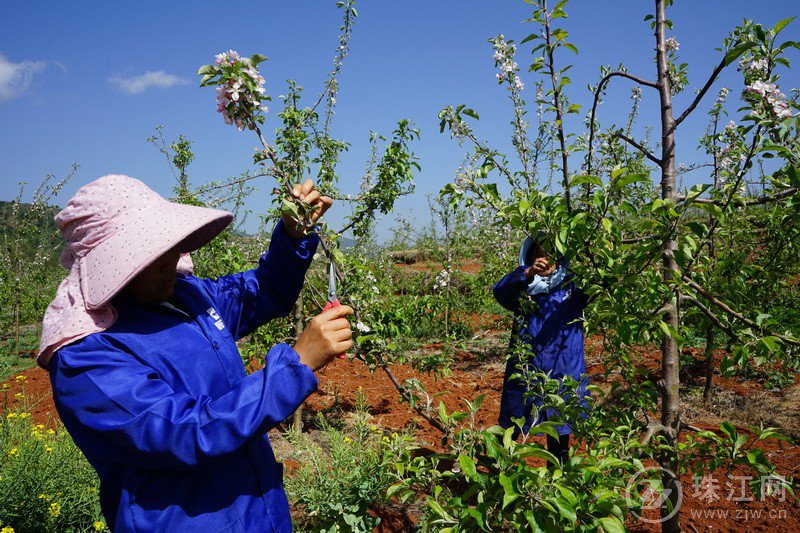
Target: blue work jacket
<point>162,408</point>
<point>553,331</point>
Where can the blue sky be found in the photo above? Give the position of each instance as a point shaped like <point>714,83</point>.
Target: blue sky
<point>64,68</point>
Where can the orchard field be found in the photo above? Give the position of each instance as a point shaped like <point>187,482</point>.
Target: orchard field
<point>692,324</point>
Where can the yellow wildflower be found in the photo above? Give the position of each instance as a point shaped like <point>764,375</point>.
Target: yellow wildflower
<point>24,415</point>
<point>54,509</point>
<point>48,449</point>
<point>11,416</point>
<point>19,396</point>
<point>5,386</point>
<point>51,432</point>
<point>373,428</point>
<point>20,378</point>
<point>7,530</point>
<point>348,440</point>
<point>99,526</point>
<point>43,497</point>
<point>13,451</point>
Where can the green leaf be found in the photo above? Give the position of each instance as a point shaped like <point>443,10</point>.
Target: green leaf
<point>781,24</point>
<point>567,511</point>
<point>586,178</point>
<point>258,58</point>
<point>734,53</point>
<point>771,343</point>
<point>571,46</point>
<point>206,69</point>
<point>627,179</point>
<point>467,465</point>
<point>470,113</point>
<point>437,508</point>
<point>540,453</point>
<point>530,37</point>
<point>729,429</point>
<point>612,524</point>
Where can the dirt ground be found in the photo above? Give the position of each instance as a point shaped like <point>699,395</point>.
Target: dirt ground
<point>478,369</point>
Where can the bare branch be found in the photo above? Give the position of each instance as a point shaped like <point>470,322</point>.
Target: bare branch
<point>635,240</point>
<point>711,316</point>
<point>726,308</point>
<point>597,93</point>
<point>639,147</point>
<point>557,103</point>
<point>657,428</point>
<point>700,95</point>
<point>760,200</point>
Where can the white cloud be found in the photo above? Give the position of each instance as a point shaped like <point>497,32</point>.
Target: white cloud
<point>15,78</point>
<point>142,82</point>
<point>62,67</point>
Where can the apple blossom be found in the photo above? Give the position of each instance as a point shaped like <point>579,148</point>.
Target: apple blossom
<point>672,44</point>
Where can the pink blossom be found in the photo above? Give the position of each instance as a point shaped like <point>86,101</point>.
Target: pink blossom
<point>231,56</point>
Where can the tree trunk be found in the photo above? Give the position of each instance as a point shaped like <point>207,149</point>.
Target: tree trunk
<point>708,389</point>
<point>670,362</point>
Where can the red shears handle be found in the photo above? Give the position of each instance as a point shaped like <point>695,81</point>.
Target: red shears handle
<point>329,305</point>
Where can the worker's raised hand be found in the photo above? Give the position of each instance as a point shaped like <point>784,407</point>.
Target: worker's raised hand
<point>541,266</point>
<point>310,195</point>
<point>326,336</point>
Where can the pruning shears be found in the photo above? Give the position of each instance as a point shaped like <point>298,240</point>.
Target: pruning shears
<point>333,299</point>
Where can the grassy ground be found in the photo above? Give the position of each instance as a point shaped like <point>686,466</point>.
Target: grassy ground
<point>15,359</point>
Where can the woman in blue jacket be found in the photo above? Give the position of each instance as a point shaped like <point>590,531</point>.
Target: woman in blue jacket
<point>144,366</point>
<point>548,310</point>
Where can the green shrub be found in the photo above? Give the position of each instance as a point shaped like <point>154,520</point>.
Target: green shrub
<point>344,474</point>
<point>46,484</point>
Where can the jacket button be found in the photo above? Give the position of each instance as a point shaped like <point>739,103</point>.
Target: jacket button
<point>215,344</point>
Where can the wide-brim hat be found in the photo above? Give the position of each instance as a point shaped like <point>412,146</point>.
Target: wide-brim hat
<point>113,263</point>
<point>527,244</point>
<point>117,226</point>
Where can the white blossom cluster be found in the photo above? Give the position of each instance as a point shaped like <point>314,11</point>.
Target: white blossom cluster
<point>672,44</point>
<point>442,279</point>
<point>775,99</point>
<point>239,97</point>
<point>723,94</point>
<point>371,280</point>
<point>458,128</point>
<point>754,67</point>
<point>462,182</point>
<point>727,159</point>
<point>504,58</point>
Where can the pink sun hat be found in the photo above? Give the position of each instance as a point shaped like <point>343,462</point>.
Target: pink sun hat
<point>114,228</point>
